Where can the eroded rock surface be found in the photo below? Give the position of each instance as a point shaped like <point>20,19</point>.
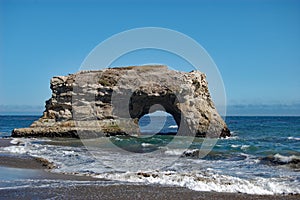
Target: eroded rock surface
<point>111,101</point>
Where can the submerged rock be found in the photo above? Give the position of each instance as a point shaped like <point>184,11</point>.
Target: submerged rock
<point>111,102</point>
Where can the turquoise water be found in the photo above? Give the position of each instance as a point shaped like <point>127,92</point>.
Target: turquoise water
<point>262,136</point>
<point>261,157</point>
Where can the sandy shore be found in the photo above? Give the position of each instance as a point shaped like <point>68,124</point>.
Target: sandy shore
<point>28,167</point>
<point>125,192</point>
<point>5,142</point>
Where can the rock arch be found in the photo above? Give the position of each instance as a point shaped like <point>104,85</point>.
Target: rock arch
<point>87,100</point>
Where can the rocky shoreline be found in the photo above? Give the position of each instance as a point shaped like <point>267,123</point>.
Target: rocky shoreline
<point>111,101</point>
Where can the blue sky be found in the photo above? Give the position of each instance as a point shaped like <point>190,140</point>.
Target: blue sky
<point>255,44</point>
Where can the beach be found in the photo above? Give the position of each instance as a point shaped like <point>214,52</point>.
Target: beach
<point>86,187</point>
<point>130,192</point>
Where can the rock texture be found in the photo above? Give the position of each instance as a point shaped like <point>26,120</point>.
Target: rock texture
<point>111,101</point>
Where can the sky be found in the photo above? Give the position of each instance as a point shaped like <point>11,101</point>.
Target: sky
<point>255,45</point>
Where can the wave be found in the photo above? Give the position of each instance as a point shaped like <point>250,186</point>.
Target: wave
<point>293,138</point>
<point>116,138</point>
<point>173,126</point>
<point>191,153</point>
<point>287,159</point>
<point>146,145</point>
<point>174,152</point>
<point>291,161</point>
<point>243,147</point>
<point>229,138</point>
<point>77,160</point>
<point>205,181</point>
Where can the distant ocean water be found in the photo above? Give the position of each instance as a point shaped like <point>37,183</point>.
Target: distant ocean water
<point>8,123</point>
<point>261,157</point>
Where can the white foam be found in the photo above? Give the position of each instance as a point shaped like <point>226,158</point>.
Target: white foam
<point>243,147</point>
<point>205,182</point>
<point>16,149</point>
<point>173,126</point>
<point>235,145</point>
<point>293,138</point>
<point>118,139</point>
<point>68,153</point>
<point>198,176</point>
<point>26,141</point>
<point>20,146</point>
<point>286,159</point>
<point>174,152</point>
<point>230,138</point>
<point>146,145</point>
<point>233,133</point>
<point>17,141</point>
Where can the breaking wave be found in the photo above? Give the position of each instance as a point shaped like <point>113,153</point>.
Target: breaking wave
<point>196,174</point>
<point>291,161</point>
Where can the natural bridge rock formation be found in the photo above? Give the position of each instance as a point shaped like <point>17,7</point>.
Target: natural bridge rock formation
<point>111,101</point>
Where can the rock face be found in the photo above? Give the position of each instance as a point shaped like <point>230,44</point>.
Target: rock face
<point>111,102</point>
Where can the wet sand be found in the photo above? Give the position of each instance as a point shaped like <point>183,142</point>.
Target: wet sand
<point>23,162</point>
<point>36,166</point>
<point>28,167</point>
<point>5,142</point>
<point>124,192</point>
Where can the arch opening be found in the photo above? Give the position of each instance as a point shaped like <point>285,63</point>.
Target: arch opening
<point>150,115</point>
<point>142,104</point>
<point>157,123</point>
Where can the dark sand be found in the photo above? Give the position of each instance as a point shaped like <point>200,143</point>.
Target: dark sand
<point>39,170</point>
<point>5,142</point>
<point>125,192</point>
<point>36,168</point>
<point>23,162</point>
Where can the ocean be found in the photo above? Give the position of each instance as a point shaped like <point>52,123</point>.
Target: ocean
<point>261,157</point>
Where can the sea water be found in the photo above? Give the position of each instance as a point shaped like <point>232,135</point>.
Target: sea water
<point>261,157</point>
